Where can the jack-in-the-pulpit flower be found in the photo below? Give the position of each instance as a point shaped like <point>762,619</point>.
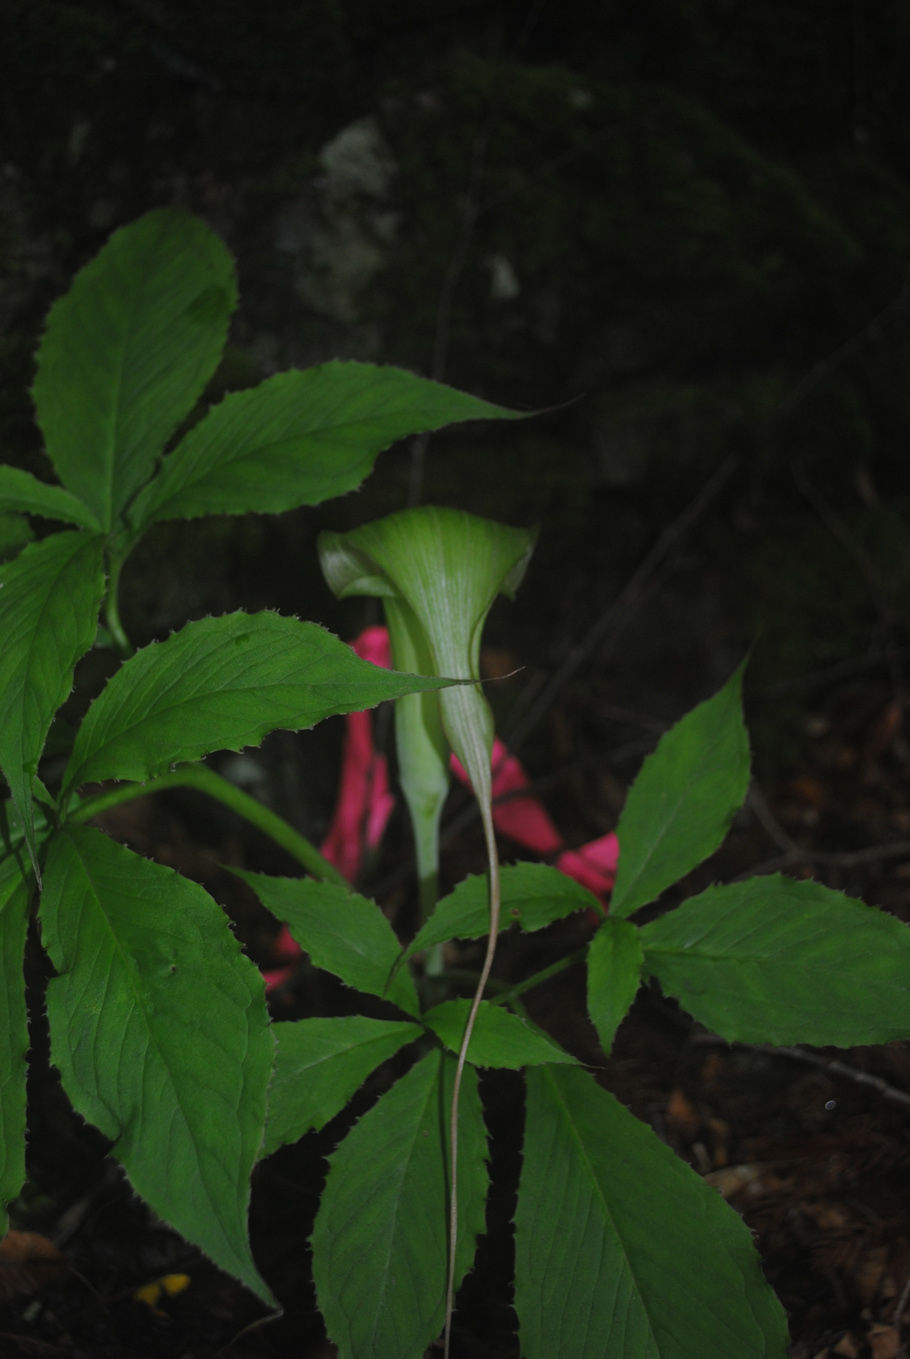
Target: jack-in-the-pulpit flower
<point>365,803</point>
<point>437,572</point>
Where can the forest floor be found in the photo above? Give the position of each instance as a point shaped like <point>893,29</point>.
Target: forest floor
<point>809,1145</point>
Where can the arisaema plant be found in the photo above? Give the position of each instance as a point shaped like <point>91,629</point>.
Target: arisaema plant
<point>437,572</point>
<point>158,1019</point>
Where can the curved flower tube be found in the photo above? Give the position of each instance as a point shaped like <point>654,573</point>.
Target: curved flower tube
<point>437,572</point>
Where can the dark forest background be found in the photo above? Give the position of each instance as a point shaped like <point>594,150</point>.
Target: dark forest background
<point>681,226</point>
<point>680,229</point>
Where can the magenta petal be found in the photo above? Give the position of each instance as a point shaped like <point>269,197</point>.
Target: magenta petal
<point>286,945</point>
<point>593,865</point>
<point>519,815</point>
<point>362,811</point>
<point>276,977</point>
<point>373,645</point>
<point>382,801</point>
<point>364,801</point>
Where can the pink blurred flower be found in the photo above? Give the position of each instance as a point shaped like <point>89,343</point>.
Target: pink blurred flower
<point>364,801</point>
<point>365,804</point>
<point>593,865</point>
<point>516,813</point>
<point>520,816</point>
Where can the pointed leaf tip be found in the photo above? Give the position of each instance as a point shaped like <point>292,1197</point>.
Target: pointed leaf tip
<point>221,684</point>
<point>680,807</point>
<point>777,960</point>
<point>142,953</point>
<point>379,1239</point>
<point>300,438</point>
<point>49,600</point>
<point>620,1248</point>
<point>127,353</point>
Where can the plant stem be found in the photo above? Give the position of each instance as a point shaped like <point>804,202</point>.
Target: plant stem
<point>508,994</point>
<point>205,780</point>
<point>426,846</point>
<point>492,938</point>
<point>426,843</point>
<point>112,609</point>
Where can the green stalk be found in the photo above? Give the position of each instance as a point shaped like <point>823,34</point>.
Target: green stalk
<point>112,609</point>
<point>506,994</point>
<point>437,572</point>
<point>421,748</point>
<point>205,780</point>
<point>510,994</point>
<point>493,936</point>
<point>423,760</point>
<point>426,850</point>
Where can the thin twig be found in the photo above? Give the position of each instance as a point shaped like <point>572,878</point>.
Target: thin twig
<point>888,1092</point>
<point>839,531</point>
<point>848,668</point>
<point>756,801</point>
<point>902,1303</point>
<point>871,333</point>
<point>623,607</point>
<point>837,1068</point>
<point>874,582</point>
<point>849,858</point>
<point>793,853</point>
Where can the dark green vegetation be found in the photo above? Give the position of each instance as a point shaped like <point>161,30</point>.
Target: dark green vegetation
<point>705,214</point>
<point>157,1020</point>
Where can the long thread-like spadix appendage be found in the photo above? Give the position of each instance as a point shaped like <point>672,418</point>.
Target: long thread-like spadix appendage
<point>468,723</point>
<point>437,572</point>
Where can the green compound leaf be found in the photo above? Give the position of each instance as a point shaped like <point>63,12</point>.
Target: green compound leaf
<point>680,807</point>
<point>533,896</point>
<point>300,438</point>
<point>49,600</point>
<point>22,492</point>
<point>772,960</point>
<point>160,1031</point>
<point>15,533</point>
<point>614,974</point>
<point>342,932</point>
<point>15,892</point>
<point>379,1241</point>
<point>320,1064</point>
<point>498,1039</point>
<point>127,353</point>
<point>222,684</point>
<point>620,1248</point>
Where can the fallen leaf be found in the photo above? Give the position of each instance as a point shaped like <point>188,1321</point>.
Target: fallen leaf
<point>28,1261</point>
<point>884,1342</point>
